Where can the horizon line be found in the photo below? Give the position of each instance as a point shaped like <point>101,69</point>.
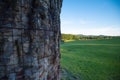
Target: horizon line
<point>90,34</point>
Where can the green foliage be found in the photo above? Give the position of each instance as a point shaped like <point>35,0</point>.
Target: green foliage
<point>67,36</point>
<point>83,37</point>
<point>91,59</point>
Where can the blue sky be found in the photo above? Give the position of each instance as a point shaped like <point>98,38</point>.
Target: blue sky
<point>91,17</point>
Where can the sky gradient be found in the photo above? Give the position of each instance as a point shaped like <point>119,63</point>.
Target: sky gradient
<point>91,17</point>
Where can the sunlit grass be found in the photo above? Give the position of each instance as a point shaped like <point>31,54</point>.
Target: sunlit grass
<point>92,59</point>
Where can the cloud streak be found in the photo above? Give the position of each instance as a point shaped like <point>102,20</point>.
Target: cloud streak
<point>87,27</point>
<point>113,31</point>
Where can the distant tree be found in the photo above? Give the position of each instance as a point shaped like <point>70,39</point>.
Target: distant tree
<point>83,37</point>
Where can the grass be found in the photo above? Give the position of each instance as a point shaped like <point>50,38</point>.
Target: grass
<point>91,60</point>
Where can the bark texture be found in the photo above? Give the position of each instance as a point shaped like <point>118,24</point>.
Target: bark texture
<point>30,39</point>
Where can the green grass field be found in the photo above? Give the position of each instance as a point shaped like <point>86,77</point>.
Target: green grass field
<point>91,60</point>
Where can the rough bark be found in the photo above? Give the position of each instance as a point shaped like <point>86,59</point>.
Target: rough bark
<point>30,39</point>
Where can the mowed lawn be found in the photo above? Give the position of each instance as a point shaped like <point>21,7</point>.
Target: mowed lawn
<point>91,59</point>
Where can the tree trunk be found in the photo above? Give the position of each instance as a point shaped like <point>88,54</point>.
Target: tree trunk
<point>30,39</point>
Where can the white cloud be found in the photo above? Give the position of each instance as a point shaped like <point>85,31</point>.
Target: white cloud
<point>113,31</point>
<point>88,28</point>
<point>101,31</point>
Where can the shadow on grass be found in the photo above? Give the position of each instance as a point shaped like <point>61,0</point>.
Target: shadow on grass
<point>67,75</point>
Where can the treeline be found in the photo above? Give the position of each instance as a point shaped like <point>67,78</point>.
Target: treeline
<point>83,37</point>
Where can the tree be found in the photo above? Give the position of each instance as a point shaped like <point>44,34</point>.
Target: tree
<point>29,39</point>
